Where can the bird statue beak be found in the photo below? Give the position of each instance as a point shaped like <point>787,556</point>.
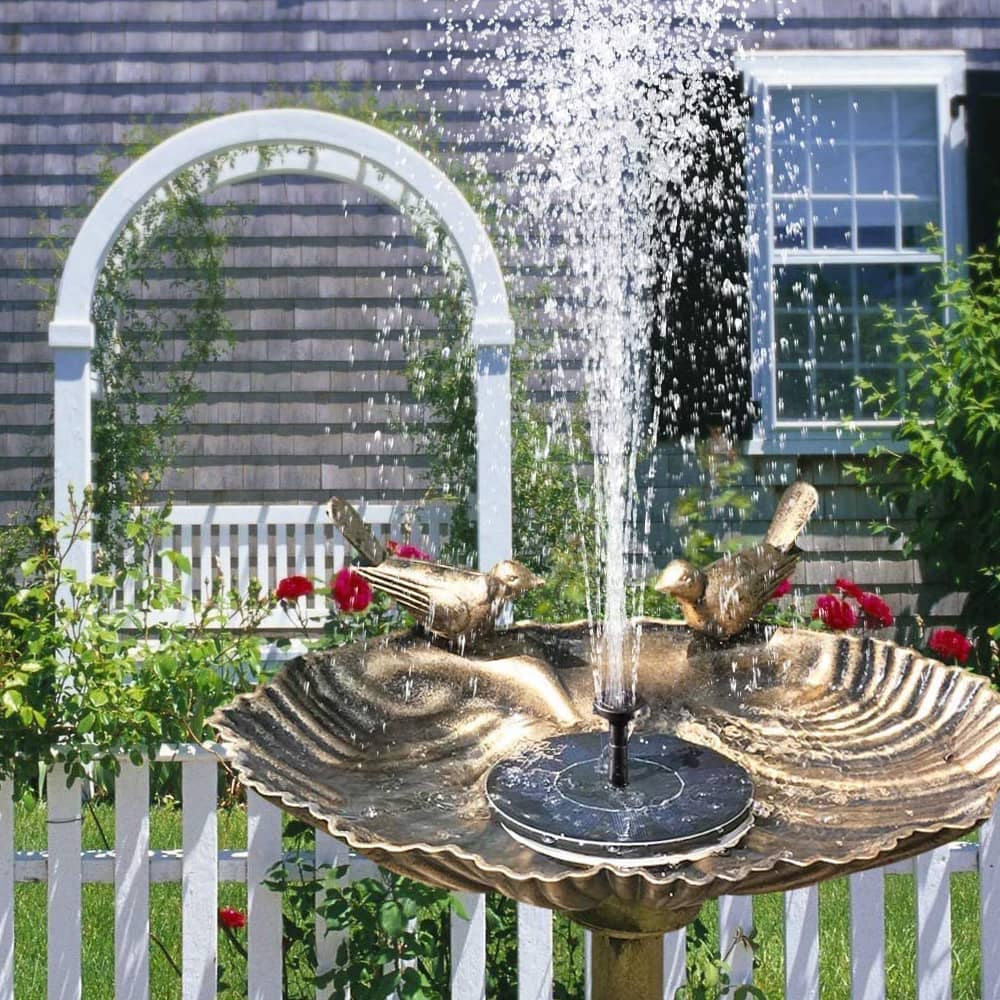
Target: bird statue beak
<point>536,581</point>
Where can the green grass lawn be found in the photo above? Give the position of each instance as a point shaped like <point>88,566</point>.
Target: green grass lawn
<point>165,831</point>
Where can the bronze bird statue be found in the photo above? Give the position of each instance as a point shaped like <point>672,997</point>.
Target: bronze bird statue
<point>450,601</point>
<point>350,524</point>
<point>720,599</point>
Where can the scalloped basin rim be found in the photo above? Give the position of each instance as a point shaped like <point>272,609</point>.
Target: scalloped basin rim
<point>860,750</point>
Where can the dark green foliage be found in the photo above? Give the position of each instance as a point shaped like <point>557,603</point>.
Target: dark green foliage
<point>396,931</point>
<point>379,618</point>
<point>707,974</point>
<point>700,512</point>
<point>943,477</point>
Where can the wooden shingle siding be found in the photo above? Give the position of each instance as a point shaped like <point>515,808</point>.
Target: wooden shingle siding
<point>292,412</point>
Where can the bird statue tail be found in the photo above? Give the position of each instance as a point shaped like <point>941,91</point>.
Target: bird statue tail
<point>794,510</point>
<point>350,524</point>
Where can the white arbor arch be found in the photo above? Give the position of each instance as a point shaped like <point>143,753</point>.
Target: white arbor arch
<point>325,145</point>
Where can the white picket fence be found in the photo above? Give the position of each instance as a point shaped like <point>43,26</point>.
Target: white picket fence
<point>229,544</point>
<point>200,866</point>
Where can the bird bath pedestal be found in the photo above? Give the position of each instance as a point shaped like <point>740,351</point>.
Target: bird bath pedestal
<point>859,751</point>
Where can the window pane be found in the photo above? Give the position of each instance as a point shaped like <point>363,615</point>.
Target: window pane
<point>876,169</point>
<point>787,114</point>
<point>835,394</point>
<point>876,285</point>
<point>877,224</point>
<point>829,116</point>
<point>791,336</point>
<point>918,171</point>
<point>831,169</point>
<point>793,394</point>
<point>835,341</point>
<point>917,114</point>
<point>917,215</point>
<point>872,115</point>
<point>790,223</point>
<point>917,285</point>
<point>790,172</point>
<point>831,224</point>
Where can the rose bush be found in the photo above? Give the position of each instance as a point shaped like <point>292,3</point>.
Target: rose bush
<point>949,644</point>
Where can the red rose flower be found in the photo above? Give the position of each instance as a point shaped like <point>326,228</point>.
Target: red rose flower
<point>229,917</point>
<point>834,613</point>
<point>293,587</point>
<point>785,587</point>
<point>848,587</point>
<point>405,551</point>
<point>351,590</point>
<point>949,644</point>
<point>877,612</point>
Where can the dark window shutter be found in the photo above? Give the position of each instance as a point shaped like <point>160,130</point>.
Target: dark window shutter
<point>701,334</point>
<point>983,121</point>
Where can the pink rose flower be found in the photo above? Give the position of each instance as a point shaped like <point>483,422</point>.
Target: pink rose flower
<point>834,613</point>
<point>351,590</point>
<point>877,612</point>
<point>230,917</point>
<point>848,587</point>
<point>293,587</point>
<point>785,587</point>
<point>949,644</point>
<point>405,551</point>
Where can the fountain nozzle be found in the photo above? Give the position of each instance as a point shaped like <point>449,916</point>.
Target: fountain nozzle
<point>618,723</point>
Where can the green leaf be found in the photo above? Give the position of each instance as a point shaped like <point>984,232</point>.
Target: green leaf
<point>11,701</point>
<point>391,919</point>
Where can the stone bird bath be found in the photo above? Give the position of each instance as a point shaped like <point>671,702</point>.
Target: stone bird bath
<point>860,751</point>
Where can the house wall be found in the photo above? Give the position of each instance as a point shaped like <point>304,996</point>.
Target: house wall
<point>290,413</point>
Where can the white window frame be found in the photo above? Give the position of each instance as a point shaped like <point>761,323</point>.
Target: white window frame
<point>765,72</point>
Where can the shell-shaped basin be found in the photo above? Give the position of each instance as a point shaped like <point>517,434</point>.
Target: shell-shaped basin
<point>860,751</point>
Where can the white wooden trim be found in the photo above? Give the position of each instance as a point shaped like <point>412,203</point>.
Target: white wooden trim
<point>736,922</point>
<point>64,882</point>
<point>304,543</point>
<point>867,893</point>
<point>674,962</point>
<point>367,156</point>
<point>802,943</point>
<point>989,906</point>
<point>493,442</point>
<point>132,881</point>
<point>468,948</point>
<point>534,953</point>
<point>933,926</point>
<point>328,852</point>
<point>6,888</point>
<point>852,67</point>
<point>345,150</point>
<point>264,964</point>
<point>199,885</point>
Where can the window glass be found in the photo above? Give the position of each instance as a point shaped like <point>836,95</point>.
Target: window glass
<point>855,182</point>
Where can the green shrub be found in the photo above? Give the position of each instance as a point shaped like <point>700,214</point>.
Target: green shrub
<point>83,678</point>
<point>942,473</point>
